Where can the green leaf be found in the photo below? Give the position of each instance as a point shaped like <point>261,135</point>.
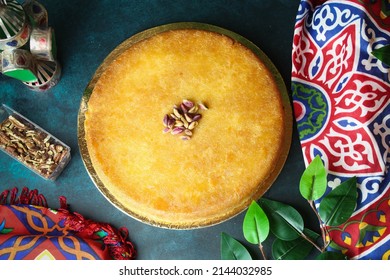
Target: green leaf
<point>383,54</point>
<point>338,205</point>
<point>327,255</point>
<point>256,224</point>
<point>297,249</point>
<point>313,181</point>
<point>286,223</point>
<point>231,249</point>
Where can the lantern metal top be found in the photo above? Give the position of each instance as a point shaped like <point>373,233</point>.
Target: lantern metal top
<point>12,19</point>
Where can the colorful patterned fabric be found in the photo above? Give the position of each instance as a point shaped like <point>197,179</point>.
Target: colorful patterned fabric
<point>38,232</point>
<point>341,96</point>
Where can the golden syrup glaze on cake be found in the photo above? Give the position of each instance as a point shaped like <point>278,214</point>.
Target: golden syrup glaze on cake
<point>235,153</point>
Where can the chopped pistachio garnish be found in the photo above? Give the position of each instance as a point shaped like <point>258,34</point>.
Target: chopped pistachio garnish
<point>183,119</point>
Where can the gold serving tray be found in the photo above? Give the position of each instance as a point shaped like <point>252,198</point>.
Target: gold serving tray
<point>149,33</point>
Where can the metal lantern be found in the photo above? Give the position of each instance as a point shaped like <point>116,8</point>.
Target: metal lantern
<point>14,27</point>
<point>35,64</point>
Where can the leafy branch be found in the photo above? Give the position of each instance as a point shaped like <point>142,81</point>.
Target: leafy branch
<point>292,240</point>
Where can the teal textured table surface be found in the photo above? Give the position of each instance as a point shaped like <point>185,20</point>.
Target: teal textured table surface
<point>86,32</point>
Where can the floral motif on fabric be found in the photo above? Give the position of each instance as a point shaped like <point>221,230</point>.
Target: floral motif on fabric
<point>341,96</point>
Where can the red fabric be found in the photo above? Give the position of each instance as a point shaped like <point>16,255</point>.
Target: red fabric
<point>341,95</point>
<point>37,232</point>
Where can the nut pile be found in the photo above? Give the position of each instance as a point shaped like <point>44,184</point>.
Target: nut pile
<point>32,146</point>
<point>183,119</point>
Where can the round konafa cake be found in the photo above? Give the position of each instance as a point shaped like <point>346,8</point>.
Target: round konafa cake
<point>185,128</point>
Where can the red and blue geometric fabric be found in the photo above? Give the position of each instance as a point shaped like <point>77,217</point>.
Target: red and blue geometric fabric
<point>341,97</point>
<point>29,230</point>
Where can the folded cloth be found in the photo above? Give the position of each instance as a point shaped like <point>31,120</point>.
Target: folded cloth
<point>31,230</point>
<point>341,98</point>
